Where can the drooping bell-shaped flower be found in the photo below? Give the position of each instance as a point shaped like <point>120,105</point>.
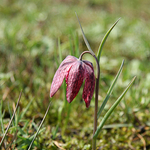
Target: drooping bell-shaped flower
<point>75,71</point>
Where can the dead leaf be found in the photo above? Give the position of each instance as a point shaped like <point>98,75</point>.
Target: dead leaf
<point>58,145</point>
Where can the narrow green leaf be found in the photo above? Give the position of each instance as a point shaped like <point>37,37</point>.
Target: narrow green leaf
<point>10,113</point>
<point>11,119</point>
<point>1,117</point>
<point>76,44</point>
<point>60,51</point>
<point>17,116</point>
<point>85,40</point>
<point>25,110</point>
<point>56,53</point>
<point>39,126</point>
<point>112,109</point>
<point>110,90</point>
<point>71,44</point>
<point>104,40</point>
<point>58,123</point>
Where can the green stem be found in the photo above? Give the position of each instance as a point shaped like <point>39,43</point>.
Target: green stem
<point>96,96</point>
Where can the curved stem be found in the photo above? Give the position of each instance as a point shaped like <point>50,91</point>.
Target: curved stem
<point>96,95</point>
<point>97,63</point>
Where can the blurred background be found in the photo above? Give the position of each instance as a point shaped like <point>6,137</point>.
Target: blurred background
<point>33,34</point>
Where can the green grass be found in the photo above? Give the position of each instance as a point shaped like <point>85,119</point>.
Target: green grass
<point>29,57</point>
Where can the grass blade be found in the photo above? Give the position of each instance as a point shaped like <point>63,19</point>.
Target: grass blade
<point>71,45</point>
<point>58,123</point>
<point>104,40</point>
<point>85,40</point>
<point>1,117</point>
<point>39,126</point>
<point>117,125</point>
<point>110,90</point>
<point>1,120</point>
<point>25,110</point>
<point>112,109</point>
<point>60,51</point>
<point>76,44</point>
<point>11,118</point>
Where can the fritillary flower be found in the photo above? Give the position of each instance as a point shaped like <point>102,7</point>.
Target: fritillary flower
<point>75,71</point>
